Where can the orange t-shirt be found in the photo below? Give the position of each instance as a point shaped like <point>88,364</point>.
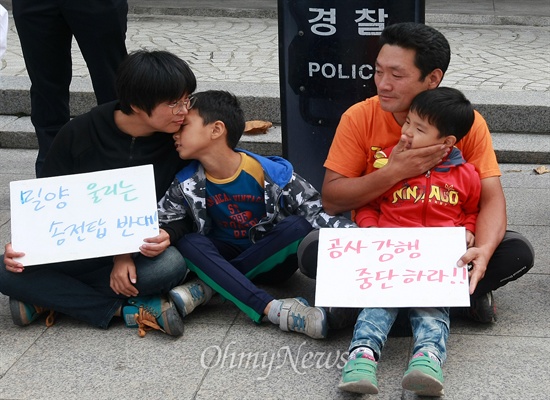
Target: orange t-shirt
<point>365,129</point>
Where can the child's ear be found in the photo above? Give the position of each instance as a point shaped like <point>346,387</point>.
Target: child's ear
<point>218,129</point>
<point>450,140</point>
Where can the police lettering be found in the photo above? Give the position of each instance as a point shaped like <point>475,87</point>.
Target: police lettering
<point>338,71</point>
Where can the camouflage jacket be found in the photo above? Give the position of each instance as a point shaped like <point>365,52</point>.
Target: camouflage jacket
<point>183,207</point>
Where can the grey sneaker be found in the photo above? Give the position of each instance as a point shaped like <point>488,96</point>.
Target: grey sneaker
<point>297,316</point>
<point>191,294</point>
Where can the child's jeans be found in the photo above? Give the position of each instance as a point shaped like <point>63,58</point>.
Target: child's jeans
<point>430,327</point>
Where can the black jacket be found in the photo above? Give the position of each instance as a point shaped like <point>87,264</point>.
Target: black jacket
<point>92,142</point>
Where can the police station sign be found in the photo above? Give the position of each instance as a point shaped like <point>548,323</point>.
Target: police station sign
<point>327,50</point>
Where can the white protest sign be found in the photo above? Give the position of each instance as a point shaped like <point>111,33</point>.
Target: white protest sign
<point>81,216</point>
<point>391,268</point>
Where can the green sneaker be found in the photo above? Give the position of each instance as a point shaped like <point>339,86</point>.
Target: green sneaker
<point>152,312</point>
<point>424,376</point>
<point>190,295</point>
<point>23,314</point>
<point>297,316</point>
<point>359,375</point>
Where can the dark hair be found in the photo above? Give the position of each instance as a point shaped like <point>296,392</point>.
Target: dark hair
<point>219,105</point>
<point>147,78</point>
<point>447,109</point>
<point>431,47</point>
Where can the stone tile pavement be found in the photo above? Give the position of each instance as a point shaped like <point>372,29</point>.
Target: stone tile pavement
<point>223,355</point>
<point>243,50</point>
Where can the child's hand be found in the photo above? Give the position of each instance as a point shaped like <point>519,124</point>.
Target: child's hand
<point>470,239</point>
<point>155,245</point>
<point>9,259</point>
<point>123,275</point>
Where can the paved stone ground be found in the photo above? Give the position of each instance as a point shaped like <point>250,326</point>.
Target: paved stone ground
<point>507,360</point>
<point>484,58</point>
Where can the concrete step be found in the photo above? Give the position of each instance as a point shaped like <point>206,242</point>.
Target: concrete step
<point>523,116</point>
<point>259,101</point>
<point>436,11</point>
<point>505,111</point>
<point>522,148</point>
<point>511,148</point>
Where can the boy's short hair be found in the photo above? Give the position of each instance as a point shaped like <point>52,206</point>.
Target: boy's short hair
<point>219,105</point>
<point>147,78</point>
<point>445,108</point>
<point>431,47</point>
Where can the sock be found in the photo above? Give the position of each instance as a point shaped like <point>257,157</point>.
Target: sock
<point>366,353</point>
<point>429,354</point>
<point>274,315</point>
<point>433,357</point>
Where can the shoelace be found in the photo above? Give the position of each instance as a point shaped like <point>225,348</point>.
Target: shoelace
<point>196,293</point>
<point>50,319</point>
<point>146,321</point>
<point>298,322</point>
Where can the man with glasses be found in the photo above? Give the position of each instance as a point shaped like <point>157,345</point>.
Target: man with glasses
<point>153,91</point>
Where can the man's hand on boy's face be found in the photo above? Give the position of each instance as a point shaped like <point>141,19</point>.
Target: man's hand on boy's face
<point>407,162</point>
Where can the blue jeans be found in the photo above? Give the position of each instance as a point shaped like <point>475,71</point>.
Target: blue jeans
<point>82,289</point>
<point>430,327</point>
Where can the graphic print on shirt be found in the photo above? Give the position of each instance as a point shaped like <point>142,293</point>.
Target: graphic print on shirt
<point>437,194</point>
<point>380,157</point>
<point>237,205</point>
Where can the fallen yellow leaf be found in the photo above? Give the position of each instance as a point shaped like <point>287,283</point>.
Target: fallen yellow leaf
<point>253,127</point>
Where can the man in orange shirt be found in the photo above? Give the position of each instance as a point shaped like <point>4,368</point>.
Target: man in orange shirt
<point>412,58</point>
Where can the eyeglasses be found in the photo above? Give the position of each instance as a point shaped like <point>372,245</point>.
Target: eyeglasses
<point>177,106</point>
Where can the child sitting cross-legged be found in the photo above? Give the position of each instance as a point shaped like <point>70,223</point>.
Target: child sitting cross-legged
<point>248,215</point>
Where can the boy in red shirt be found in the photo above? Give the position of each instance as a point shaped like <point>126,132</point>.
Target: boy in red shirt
<point>446,195</point>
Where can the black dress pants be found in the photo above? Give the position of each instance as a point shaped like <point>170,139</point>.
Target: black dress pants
<point>46,29</point>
